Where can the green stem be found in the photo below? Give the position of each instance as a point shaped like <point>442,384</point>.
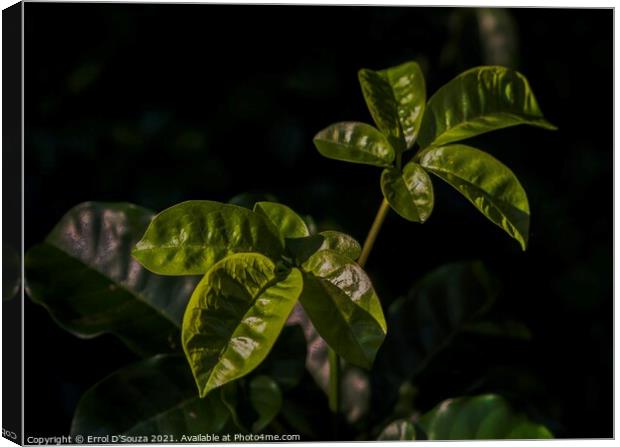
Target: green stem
<point>374,232</point>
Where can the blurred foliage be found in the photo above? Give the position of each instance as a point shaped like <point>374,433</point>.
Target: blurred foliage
<point>153,104</point>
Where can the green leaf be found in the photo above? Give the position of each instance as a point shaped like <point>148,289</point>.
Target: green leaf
<point>287,221</point>
<point>302,248</point>
<point>396,98</point>
<point>437,309</point>
<point>156,396</point>
<point>84,275</point>
<point>341,243</point>
<point>249,199</point>
<point>356,143</point>
<point>477,101</point>
<point>343,306</point>
<point>410,192</point>
<point>266,399</point>
<point>401,430</point>
<point>487,183</point>
<point>487,416</point>
<point>188,238</point>
<point>235,316</point>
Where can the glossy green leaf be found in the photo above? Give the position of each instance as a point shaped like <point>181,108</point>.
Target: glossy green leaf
<point>287,221</point>
<point>343,306</point>
<point>396,98</point>
<point>401,430</point>
<point>235,316</point>
<point>84,275</point>
<point>356,143</point>
<point>409,192</point>
<point>156,396</point>
<point>249,199</point>
<point>341,243</point>
<point>487,416</point>
<point>266,399</point>
<point>487,183</point>
<point>188,238</point>
<point>477,101</point>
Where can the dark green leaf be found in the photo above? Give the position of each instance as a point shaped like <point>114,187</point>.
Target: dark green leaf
<point>288,223</point>
<point>477,101</point>
<point>343,306</point>
<point>425,322</point>
<point>188,238</point>
<point>266,399</point>
<point>85,277</point>
<point>487,183</point>
<point>401,430</point>
<point>481,417</point>
<point>410,192</point>
<point>287,360</point>
<point>396,98</point>
<point>356,143</point>
<point>152,397</point>
<point>235,316</point>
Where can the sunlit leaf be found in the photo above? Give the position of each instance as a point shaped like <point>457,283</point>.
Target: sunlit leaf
<point>396,98</point>
<point>409,192</point>
<point>487,183</point>
<point>356,143</point>
<point>287,221</point>
<point>479,100</point>
<point>235,316</point>
<point>343,306</point>
<point>84,275</point>
<point>188,238</point>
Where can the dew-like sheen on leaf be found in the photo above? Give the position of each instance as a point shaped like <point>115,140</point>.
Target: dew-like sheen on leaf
<point>235,316</point>
<point>188,238</point>
<point>487,183</point>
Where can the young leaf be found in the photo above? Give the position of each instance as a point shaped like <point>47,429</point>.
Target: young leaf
<point>154,396</point>
<point>235,316</point>
<point>343,306</point>
<point>401,430</point>
<point>410,192</point>
<point>396,98</point>
<point>356,143</point>
<point>486,416</point>
<point>266,398</point>
<point>477,101</point>
<point>341,243</point>
<point>188,238</point>
<point>488,184</point>
<point>287,221</point>
<point>84,275</point>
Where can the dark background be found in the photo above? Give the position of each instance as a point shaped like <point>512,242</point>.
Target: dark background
<point>156,104</point>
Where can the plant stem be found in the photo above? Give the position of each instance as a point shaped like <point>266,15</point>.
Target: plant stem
<point>374,232</point>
